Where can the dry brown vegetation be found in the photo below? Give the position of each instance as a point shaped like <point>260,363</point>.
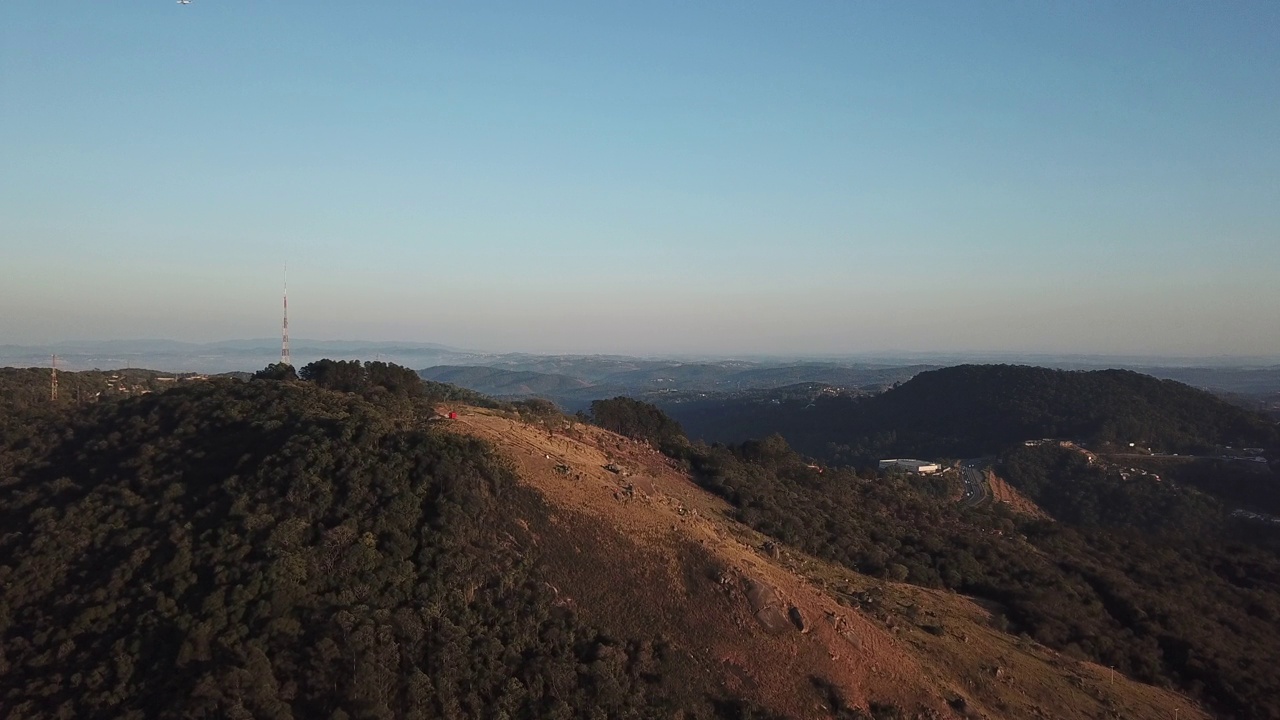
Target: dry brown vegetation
<point>1005,493</point>
<point>634,545</point>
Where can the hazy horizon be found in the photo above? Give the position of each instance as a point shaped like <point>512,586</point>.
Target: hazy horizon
<point>134,347</point>
<point>815,179</point>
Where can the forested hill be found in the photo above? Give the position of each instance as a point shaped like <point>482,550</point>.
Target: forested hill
<point>972,410</point>
<point>273,549</point>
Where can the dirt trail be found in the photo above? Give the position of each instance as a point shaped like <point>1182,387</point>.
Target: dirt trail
<point>772,619</point>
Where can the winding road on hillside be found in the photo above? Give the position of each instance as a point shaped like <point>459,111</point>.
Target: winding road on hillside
<point>976,492</point>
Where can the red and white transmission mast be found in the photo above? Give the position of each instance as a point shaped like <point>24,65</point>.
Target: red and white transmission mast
<point>284,336</point>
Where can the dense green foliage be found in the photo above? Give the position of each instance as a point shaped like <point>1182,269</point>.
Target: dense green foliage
<point>1072,489</point>
<point>635,419</point>
<point>1151,579</point>
<point>1245,485</point>
<point>352,376</point>
<point>276,371</point>
<point>973,410</point>
<point>376,381</point>
<point>274,549</point>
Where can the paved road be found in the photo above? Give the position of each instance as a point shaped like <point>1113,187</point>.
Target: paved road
<point>976,492</point>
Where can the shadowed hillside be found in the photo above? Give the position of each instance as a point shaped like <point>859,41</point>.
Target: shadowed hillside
<point>973,410</point>
<point>1153,578</point>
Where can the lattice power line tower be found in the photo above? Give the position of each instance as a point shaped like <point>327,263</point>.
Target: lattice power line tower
<point>53,378</point>
<point>284,333</point>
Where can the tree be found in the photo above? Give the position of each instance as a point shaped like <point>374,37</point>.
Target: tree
<point>352,376</point>
<point>636,419</point>
<point>340,375</point>
<point>276,371</point>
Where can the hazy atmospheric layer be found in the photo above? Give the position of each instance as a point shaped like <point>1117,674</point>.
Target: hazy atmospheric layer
<point>822,177</point>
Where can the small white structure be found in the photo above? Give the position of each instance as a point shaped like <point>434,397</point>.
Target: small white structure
<point>916,466</point>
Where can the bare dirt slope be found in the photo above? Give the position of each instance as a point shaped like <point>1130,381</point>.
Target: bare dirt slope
<point>644,549</point>
<point>1003,492</point>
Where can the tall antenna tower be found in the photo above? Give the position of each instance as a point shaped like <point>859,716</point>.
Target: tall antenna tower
<point>284,335</point>
<point>53,379</point>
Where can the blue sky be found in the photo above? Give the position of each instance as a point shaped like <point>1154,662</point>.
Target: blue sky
<point>646,177</point>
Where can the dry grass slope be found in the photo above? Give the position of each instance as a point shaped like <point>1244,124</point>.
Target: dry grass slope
<point>640,547</point>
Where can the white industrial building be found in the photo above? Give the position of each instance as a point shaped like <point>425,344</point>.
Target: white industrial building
<point>915,466</point>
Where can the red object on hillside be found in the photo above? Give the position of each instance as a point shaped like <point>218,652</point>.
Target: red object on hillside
<point>453,416</point>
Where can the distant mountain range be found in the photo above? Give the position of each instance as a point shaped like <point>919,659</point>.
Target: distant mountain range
<point>498,382</point>
<point>971,410</point>
<point>573,381</point>
<point>575,388</point>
